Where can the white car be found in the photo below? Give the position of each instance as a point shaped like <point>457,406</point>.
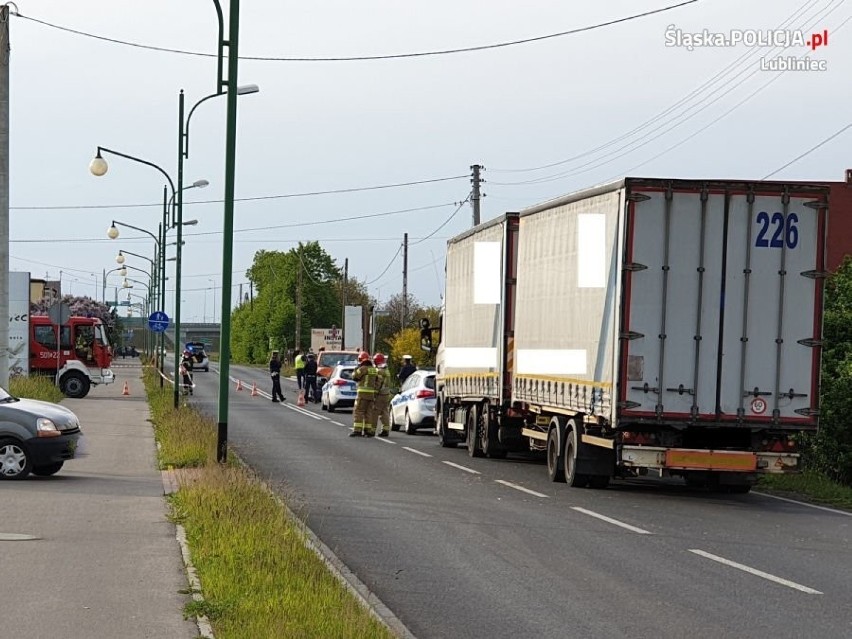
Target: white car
<point>340,390</point>
<point>200,361</point>
<point>414,406</point>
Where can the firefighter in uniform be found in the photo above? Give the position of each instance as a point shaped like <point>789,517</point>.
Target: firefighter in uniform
<point>369,382</point>
<point>382,402</point>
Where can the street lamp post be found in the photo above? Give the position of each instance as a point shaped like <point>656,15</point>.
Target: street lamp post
<point>120,270</point>
<point>183,153</point>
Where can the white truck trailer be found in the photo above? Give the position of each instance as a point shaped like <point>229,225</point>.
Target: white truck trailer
<point>647,326</point>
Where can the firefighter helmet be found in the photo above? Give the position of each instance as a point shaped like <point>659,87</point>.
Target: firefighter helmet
<point>363,356</point>
<point>378,359</point>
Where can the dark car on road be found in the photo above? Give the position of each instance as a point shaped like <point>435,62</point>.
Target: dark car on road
<point>35,437</point>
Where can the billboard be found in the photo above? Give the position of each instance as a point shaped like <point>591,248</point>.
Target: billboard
<point>19,325</point>
<point>329,338</point>
<point>353,328</point>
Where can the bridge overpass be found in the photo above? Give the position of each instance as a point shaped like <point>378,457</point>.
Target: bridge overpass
<point>208,333</point>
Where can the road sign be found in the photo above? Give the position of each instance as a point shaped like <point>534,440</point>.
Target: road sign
<point>158,321</point>
<point>59,313</point>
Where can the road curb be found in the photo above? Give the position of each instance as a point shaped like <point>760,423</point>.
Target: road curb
<point>171,486</point>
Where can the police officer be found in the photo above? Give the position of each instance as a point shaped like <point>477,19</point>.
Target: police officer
<point>311,379</point>
<point>369,382</point>
<point>381,404</point>
<point>299,365</point>
<point>406,370</point>
<point>275,374</point>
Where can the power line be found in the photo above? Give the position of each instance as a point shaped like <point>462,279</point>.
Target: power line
<point>395,255</point>
<point>808,152</point>
<point>362,58</point>
<point>447,221</point>
<point>701,90</point>
<point>241,199</point>
<point>250,229</point>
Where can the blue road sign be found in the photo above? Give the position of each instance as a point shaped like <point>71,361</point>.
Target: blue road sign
<point>158,321</point>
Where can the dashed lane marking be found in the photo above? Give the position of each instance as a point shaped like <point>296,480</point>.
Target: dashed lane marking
<point>521,488</point>
<point>755,571</point>
<point>415,451</point>
<point>385,440</point>
<point>464,468</point>
<point>610,520</point>
<point>337,423</point>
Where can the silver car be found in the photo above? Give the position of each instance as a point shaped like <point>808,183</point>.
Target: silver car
<point>414,406</point>
<point>340,390</point>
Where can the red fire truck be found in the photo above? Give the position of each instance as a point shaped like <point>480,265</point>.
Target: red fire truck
<point>79,359</point>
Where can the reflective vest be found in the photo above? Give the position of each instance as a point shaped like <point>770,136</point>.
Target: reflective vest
<point>300,362</point>
<point>369,380</point>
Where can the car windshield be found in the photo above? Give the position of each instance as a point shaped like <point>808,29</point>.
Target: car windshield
<point>333,359</point>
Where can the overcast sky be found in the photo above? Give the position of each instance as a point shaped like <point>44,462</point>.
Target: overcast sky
<point>318,126</point>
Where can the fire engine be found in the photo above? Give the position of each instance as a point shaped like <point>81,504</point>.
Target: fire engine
<point>79,359</point>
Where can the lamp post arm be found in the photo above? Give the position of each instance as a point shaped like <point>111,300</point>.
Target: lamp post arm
<point>136,228</point>
<point>103,149</point>
<point>137,255</point>
<point>220,82</point>
<point>185,149</point>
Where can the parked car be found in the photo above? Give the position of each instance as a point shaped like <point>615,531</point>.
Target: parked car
<point>200,361</point>
<point>414,406</point>
<point>327,360</point>
<point>340,390</point>
<point>35,437</point>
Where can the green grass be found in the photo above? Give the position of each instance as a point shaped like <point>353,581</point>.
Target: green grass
<point>35,387</point>
<point>809,486</point>
<point>258,577</point>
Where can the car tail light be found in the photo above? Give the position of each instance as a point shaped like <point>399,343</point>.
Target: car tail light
<point>425,394</point>
<point>340,382</point>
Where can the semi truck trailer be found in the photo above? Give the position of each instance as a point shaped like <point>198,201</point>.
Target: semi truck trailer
<point>661,327</point>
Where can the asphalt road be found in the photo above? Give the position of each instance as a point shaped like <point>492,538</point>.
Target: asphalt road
<point>461,547</point>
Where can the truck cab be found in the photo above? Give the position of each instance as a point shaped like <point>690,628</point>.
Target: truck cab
<point>80,358</point>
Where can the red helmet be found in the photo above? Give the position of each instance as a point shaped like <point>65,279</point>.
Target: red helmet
<point>378,359</point>
<point>363,356</point>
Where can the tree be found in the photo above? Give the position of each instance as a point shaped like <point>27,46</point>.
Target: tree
<point>86,307</point>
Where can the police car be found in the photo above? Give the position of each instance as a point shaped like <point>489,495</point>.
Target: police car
<point>414,406</point>
<point>340,390</point>
<point>200,361</point>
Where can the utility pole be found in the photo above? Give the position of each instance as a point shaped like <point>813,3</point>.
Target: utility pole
<point>4,195</point>
<point>299,302</point>
<point>343,311</point>
<point>404,281</point>
<point>476,180</point>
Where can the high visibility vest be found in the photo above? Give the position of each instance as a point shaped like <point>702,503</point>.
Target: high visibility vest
<point>300,362</point>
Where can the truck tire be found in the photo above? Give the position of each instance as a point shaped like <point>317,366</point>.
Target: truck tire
<point>555,463</point>
<point>74,385</point>
<point>473,444</point>
<point>444,438</point>
<point>569,458</point>
<point>488,440</point>
<point>15,462</point>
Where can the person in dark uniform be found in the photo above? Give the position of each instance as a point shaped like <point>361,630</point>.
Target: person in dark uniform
<point>186,372</point>
<point>310,371</point>
<point>406,370</point>
<point>275,374</point>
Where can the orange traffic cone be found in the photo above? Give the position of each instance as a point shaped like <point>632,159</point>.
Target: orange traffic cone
<point>239,385</point>
<point>253,389</point>
<point>126,390</point>
<point>301,400</point>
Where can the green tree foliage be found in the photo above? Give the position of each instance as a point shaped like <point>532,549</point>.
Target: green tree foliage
<point>407,342</point>
<point>830,450</point>
<point>269,320</point>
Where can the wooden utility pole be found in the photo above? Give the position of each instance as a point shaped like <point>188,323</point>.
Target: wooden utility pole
<point>343,310</point>
<point>404,317</point>
<point>299,301</point>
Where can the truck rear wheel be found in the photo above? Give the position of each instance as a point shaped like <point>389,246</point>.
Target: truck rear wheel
<point>569,459</point>
<point>555,464</point>
<point>444,439</point>
<point>473,444</point>
<point>488,436</point>
<point>74,385</point>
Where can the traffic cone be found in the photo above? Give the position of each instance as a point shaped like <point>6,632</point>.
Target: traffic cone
<point>301,400</point>
<point>239,385</point>
<point>253,389</point>
<point>126,390</point>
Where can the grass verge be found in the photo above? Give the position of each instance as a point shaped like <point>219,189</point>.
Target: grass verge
<point>35,387</point>
<point>809,486</point>
<point>258,577</point>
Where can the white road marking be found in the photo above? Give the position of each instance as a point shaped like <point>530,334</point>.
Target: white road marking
<point>521,488</point>
<point>302,411</point>
<point>337,423</point>
<point>416,452</point>
<point>464,468</point>
<point>754,571</point>
<point>610,520</point>
<point>385,440</point>
<point>803,503</point>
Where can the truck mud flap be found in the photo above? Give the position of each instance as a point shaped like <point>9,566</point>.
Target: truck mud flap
<point>594,460</point>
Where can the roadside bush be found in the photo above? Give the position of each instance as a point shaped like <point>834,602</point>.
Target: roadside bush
<point>35,387</point>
